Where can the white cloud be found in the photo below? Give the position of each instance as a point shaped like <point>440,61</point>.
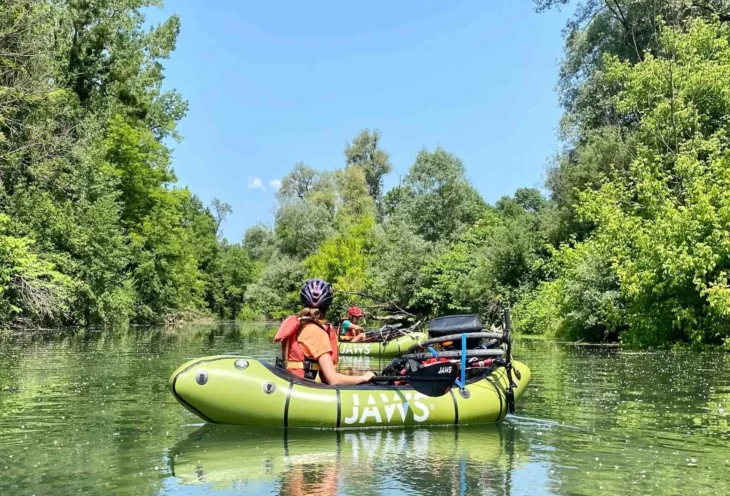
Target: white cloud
<point>256,183</point>
<point>275,184</point>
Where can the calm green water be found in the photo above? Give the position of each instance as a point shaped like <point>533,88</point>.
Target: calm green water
<point>90,413</point>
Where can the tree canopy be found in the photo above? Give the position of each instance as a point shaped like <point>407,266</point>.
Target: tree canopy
<point>96,229</point>
<point>628,241</point>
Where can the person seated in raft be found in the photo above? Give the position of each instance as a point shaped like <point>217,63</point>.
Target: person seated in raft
<point>309,342</point>
<point>350,330</point>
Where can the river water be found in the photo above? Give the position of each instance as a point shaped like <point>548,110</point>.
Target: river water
<point>89,412</point>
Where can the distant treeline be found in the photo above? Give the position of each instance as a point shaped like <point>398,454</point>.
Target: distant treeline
<point>631,243</point>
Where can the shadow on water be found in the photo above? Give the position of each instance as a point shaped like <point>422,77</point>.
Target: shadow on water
<point>465,460</point>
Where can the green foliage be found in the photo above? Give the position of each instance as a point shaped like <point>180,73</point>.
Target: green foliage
<point>598,136</point>
<point>490,264</point>
<point>142,165</point>
<point>260,243</point>
<point>674,201</point>
<point>165,272</point>
<point>352,187</point>
<point>448,272</point>
<point>364,153</point>
<point>626,29</point>
<point>276,293</point>
<point>85,175</point>
<point>436,196</point>
<point>306,185</point>
<point>343,258</point>
<point>221,210</point>
<point>582,301</point>
<point>655,264</point>
<point>308,201</point>
<point>230,276</point>
<point>632,243</point>
<point>395,275</point>
<point>29,285</point>
<point>301,227</point>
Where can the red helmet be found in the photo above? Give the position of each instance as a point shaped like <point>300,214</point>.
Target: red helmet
<point>354,312</point>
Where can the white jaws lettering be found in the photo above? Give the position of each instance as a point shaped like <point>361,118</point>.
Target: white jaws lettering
<point>355,410</point>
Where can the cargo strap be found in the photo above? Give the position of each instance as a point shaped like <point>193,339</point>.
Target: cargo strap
<point>306,365</point>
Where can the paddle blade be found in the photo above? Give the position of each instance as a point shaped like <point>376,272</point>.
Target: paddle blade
<point>434,380</point>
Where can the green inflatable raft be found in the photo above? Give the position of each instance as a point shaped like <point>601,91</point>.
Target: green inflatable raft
<point>241,390</point>
<point>394,347</point>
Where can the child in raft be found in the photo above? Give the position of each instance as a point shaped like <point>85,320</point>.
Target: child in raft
<point>309,342</point>
<point>350,330</point>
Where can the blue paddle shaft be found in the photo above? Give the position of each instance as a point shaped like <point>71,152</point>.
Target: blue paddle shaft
<point>463,360</point>
<point>462,381</point>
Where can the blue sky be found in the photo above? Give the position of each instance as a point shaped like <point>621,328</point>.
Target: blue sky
<point>273,83</point>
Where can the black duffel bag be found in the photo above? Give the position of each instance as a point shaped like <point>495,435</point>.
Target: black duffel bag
<point>454,324</point>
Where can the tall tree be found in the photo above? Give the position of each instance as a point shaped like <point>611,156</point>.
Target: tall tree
<point>438,198</point>
<point>85,172</point>
<point>624,28</point>
<point>352,189</point>
<point>259,242</point>
<point>364,152</point>
<point>298,184</point>
<point>599,139</point>
<point>221,211</point>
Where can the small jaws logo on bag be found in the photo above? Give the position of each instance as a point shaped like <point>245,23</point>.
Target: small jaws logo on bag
<point>445,370</point>
<point>379,408</point>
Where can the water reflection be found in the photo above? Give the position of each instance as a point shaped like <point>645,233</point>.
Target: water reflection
<point>422,461</point>
<point>89,412</point>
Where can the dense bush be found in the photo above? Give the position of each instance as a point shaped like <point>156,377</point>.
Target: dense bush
<point>94,229</point>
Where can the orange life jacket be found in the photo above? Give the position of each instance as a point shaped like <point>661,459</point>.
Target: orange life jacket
<point>292,354</point>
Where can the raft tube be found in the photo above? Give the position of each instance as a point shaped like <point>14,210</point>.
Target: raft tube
<point>241,390</point>
<point>394,347</point>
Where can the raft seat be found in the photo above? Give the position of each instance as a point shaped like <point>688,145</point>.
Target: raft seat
<point>454,324</point>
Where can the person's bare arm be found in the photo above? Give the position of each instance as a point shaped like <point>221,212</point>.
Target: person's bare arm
<point>334,378</point>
